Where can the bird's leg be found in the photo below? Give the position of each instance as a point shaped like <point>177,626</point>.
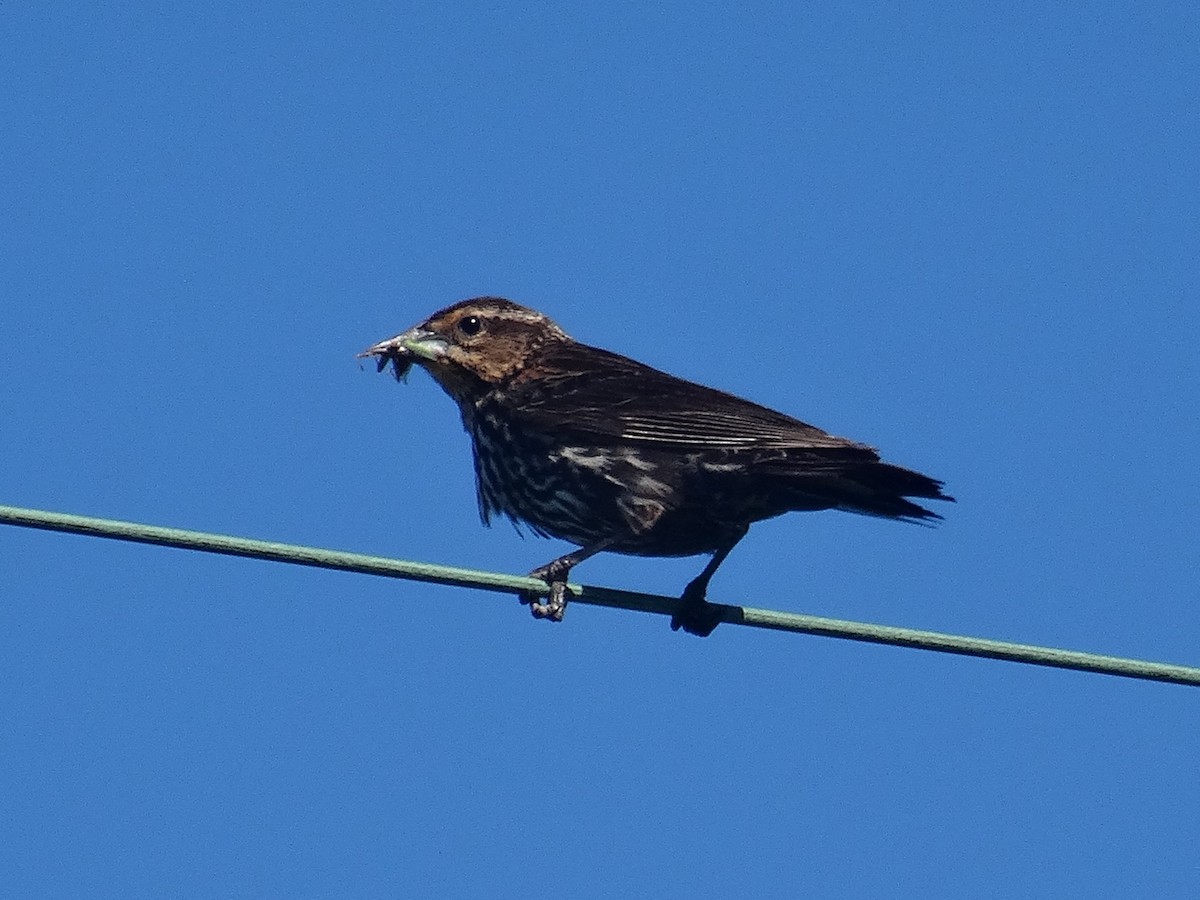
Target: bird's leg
<point>555,574</point>
<point>695,614</point>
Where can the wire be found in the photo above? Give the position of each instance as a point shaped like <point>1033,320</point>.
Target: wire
<point>598,596</point>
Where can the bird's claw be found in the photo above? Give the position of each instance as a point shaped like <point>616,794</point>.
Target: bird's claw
<point>700,622</point>
<point>555,605</point>
<point>695,614</point>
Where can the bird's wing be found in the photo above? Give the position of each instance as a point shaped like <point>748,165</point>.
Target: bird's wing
<point>596,395</point>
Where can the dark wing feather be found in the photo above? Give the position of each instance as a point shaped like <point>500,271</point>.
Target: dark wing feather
<point>594,394</point>
<point>597,397</point>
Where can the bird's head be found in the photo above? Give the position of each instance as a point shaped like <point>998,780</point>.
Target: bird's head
<point>469,346</point>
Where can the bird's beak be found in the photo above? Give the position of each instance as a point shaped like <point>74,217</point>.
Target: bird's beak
<point>403,350</point>
<point>414,342</point>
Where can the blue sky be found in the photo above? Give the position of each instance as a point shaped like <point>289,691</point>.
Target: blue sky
<point>966,234</point>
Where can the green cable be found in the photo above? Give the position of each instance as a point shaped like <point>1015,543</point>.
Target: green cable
<point>598,596</point>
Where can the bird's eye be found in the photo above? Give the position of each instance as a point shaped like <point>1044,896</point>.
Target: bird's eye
<point>470,325</point>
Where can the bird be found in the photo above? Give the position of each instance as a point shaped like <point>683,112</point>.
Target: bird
<point>607,453</point>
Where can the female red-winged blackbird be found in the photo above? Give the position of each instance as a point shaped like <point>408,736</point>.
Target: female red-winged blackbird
<point>607,453</point>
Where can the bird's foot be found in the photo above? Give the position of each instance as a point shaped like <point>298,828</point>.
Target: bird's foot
<point>695,614</point>
<point>555,605</point>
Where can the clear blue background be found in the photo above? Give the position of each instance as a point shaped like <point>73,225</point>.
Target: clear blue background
<point>966,234</point>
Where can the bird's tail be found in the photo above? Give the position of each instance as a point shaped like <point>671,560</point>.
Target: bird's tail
<point>869,488</point>
<point>888,487</point>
